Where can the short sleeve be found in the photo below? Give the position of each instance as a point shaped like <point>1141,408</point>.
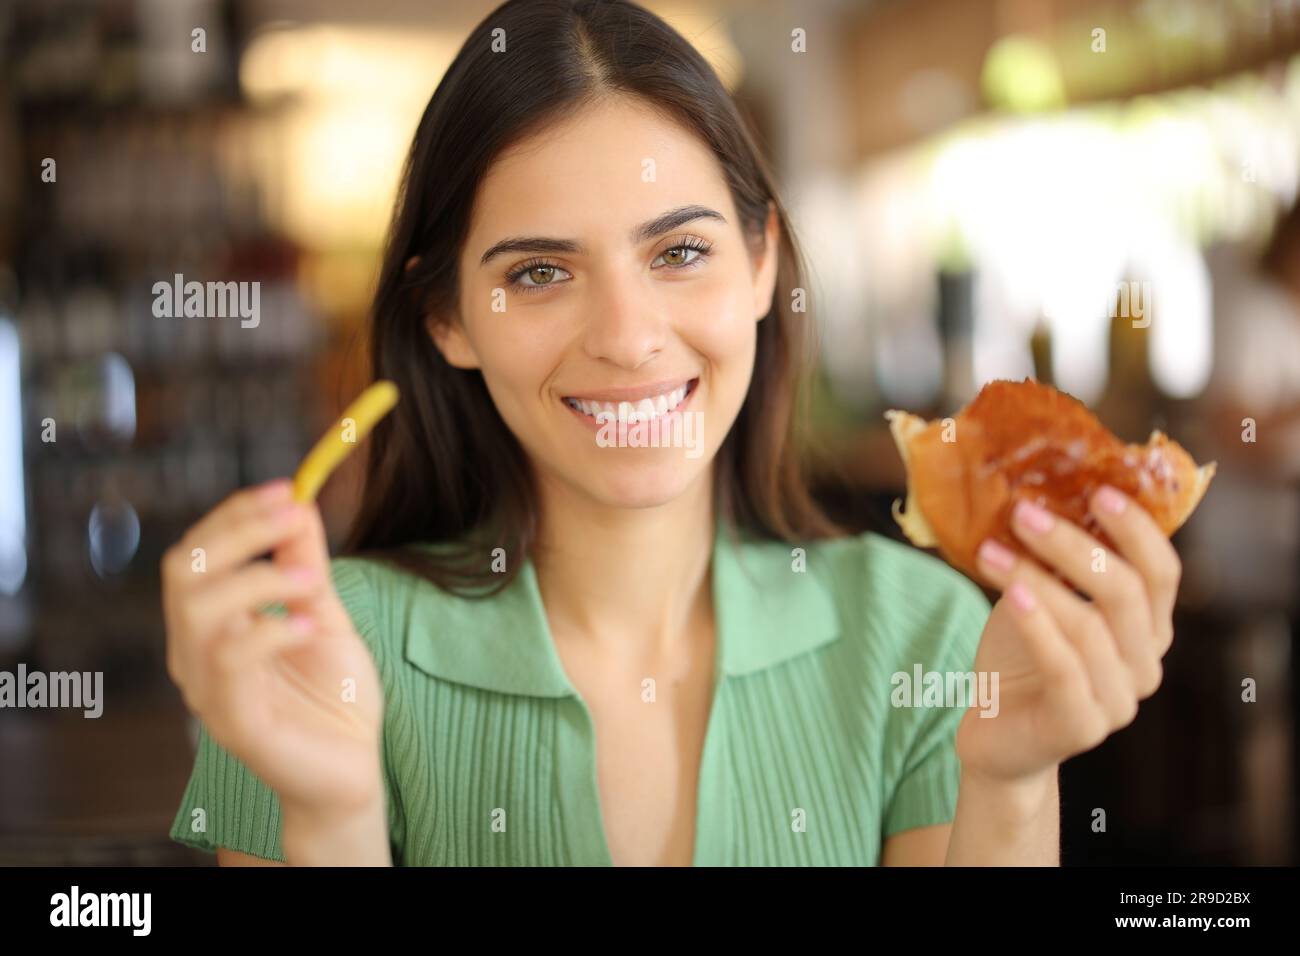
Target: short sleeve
<point>225,804</point>
<point>929,773</point>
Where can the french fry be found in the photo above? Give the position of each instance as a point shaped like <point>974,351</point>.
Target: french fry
<point>336,444</point>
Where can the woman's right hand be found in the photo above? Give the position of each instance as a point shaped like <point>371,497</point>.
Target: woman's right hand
<point>297,697</point>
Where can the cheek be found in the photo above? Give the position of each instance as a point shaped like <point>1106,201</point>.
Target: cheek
<point>719,325</point>
<point>515,358</point>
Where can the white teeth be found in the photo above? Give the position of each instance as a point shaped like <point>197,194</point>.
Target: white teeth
<point>630,413</point>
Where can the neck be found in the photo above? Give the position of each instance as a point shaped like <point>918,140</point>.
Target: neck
<point>613,575</point>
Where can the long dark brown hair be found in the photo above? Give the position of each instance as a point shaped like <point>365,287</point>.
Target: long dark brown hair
<point>444,468</point>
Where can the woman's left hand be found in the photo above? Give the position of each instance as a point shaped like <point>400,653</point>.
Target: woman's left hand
<point>1070,671</point>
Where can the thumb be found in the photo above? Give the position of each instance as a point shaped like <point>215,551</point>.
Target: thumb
<point>309,548</point>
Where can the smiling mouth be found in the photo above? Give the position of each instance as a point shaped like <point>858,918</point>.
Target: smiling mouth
<point>645,408</point>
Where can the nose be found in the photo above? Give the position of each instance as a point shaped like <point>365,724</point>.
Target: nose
<point>622,326</point>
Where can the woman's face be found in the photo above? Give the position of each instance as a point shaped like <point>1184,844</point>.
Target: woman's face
<point>617,307</point>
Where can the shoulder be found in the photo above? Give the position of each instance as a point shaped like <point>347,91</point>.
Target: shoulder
<point>375,594</point>
<point>890,591</point>
<point>874,562</point>
<point>389,602</point>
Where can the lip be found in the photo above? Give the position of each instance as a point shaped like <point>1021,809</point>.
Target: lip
<point>640,392</point>
<point>634,393</point>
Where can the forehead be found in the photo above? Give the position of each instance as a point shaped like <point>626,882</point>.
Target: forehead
<point>613,164</point>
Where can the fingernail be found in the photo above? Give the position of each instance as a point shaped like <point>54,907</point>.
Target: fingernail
<point>302,575</point>
<point>301,623</point>
<point>1021,597</point>
<point>274,490</point>
<point>995,555</point>
<point>1109,499</point>
<point>1034,517</point>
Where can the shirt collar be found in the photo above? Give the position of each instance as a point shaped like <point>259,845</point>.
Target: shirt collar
<point>765,612</point>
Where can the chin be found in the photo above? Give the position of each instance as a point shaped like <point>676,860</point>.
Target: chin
<point>638,480</point>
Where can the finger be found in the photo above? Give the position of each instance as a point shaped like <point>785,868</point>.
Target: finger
<point>1112,582</point>
<point>247,502</point>
<point>203,665</point>
<point>1146,547</point>
<point>227,606</point>
<point>1109,679</point>
<point>233,656</point>
<point>1076,718</point>
<point>251,535</point>
<point>1055,658</point>
<point>229,689</point>
<point>309,548</point>
<point>212,610</point>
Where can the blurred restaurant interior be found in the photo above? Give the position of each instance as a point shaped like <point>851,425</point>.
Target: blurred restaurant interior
<point>1098,193</point>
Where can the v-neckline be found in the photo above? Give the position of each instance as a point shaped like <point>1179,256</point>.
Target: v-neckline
<point>712,721</point>
<point>711,731</point>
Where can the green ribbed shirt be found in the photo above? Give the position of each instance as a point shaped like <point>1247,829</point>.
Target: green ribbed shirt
<point>489,752</point>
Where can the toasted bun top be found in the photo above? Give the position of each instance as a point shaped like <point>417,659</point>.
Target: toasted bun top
<point>1028,440</point>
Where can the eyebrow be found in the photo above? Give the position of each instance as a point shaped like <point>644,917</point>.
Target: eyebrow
<point>647,230</point>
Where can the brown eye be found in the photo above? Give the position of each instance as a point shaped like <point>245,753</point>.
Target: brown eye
<point>534,276</point>
<point>686,254</point>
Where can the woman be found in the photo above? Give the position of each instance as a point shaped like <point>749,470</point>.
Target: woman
<point>547,646</point>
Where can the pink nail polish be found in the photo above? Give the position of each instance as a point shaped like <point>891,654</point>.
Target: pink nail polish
<point>997,556</point>
<point>1021,597</point>
<point>1034,517</point>
<point>1110,500</point>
